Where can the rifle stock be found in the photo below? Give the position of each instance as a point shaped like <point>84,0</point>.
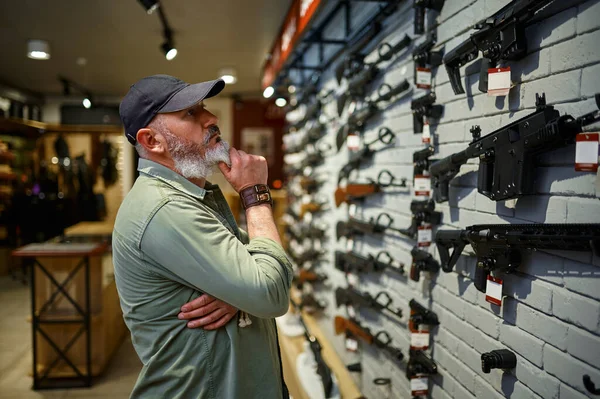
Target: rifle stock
<point>354,191</point>
<point>343,325</point>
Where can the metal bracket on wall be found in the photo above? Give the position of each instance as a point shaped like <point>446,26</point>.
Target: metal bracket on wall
<point>590,386</point>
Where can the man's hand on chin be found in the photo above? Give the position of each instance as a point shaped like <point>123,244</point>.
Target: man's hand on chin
<point>207,312</point>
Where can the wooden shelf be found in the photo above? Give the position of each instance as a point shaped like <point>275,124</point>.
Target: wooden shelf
<point>8,176</point>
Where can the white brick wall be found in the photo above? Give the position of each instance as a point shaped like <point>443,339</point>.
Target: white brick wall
<point>551,312</point>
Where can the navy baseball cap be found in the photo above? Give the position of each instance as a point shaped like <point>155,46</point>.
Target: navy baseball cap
<point>160,94</point>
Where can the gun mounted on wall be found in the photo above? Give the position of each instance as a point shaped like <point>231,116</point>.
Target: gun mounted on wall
<point>353,262</point>
<point>424,107</point>
<point>381,340</point>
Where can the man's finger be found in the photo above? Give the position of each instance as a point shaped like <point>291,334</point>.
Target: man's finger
<point>201,311</point>
<point>234,157</point>
<point>202,300</point>
<point>208,319</point>
<point>221,322</point>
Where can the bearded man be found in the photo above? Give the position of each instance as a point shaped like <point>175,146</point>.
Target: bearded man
<point>183,268</point>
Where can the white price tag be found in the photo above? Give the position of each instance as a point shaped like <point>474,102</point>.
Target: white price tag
<point>353,142</point>
<point>419,385</point>
<point>586,152</point>
<point>426,135</point>
<point>351,344</point>
<point>352,210</point>
<point>349,244</point>
<point>498,81</point>
<point>422,185</point>
<point>419,340</point>
<point>424,236</point>
<point>423,78</point>
<point>493,290</point>
<point>351,311</point>
<point>352,280</point>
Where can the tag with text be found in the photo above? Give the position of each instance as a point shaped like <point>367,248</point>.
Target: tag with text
<point>422,185</point>
<point>498,81</point>
<point>586,152</point>
<point>419,340</point>
<point>353,142</point>
<point>493,290</point>
<point>419,385</point>
<point>426,136</point>
<point>423,78</point>
<point>424,236</point>
<point>351,344</point>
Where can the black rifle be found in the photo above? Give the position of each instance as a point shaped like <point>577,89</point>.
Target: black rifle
<point>311,136</point>
<point>353,328</point>
<point>419,364</point>
<point>421,160</point>
<point>500,37</point>
<point>385,136</point>
<point>507,156</point>
<point>423,107</point>
<point>420,6</point>
<point>419,314</point>
<point>422,212</point>
<point>323,369</point>
<point>423,56</point>
<point>357,85</point>
<point>357,120</point>
<point>359,191</point>
<point>352,297</point>
<point>299,231</point>
<point>353,262</point>
<point>310,255</point>
<point>383,222</point>
<point>422,261</point>
<point>500,246</point>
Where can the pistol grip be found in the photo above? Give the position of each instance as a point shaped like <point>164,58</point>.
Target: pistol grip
<point>486,64</point>
<point>440,191</point>
<point>417,123</point>
<point>415,273</point>
<point>419,21</point>
<point>480,279</point>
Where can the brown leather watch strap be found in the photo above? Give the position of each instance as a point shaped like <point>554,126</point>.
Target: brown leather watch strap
<point>256,195</point>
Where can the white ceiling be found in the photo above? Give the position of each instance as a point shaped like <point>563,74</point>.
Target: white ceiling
<point>121,42</point>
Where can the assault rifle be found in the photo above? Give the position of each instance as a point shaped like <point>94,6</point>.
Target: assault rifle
<point>421,160</point>
<point>507,155</point>
<point>419,364</point>
<point>500,37</point>
<point>359,118</point>
<point>381,340</point>
<point>352,297</point>
<point>311,136</point>
<point>353,262</point>
<point>368,72</point>
<point>423,56</point>
<point>422,261</point>
<point>383,222</point>
<point>385,136</point>
<point>300,231</point>
<point>310,184</point>
<point>323,369</point>
<point>354,191</point>
<point>419,314</point>
<point>311,207</point>
<point>420,6</point>
<point>423,107</point>
<point>500,246</point>
<point>310,255</point>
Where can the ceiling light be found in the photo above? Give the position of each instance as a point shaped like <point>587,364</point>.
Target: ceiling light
<point>280,102</point>
<point>150,5</point>
<point>291,88</point>
<point>38,50</point>
<point>169,50</point>
<point>268,92</point>
<point>228,75</point>
<point>87,103</point>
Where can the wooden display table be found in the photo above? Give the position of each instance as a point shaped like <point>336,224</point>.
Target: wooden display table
<point>291,347</point>
<point>77,322</point>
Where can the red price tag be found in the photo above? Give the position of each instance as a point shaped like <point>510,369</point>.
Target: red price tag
<point>426,135</point>
<point>419,340</point>
<point>493,290</point>
<point>498,81</point>
<point>423,78</point>
<point>419,385</point>
<point>422,185</point>
<point>424,236</point>
<point>586,152</point>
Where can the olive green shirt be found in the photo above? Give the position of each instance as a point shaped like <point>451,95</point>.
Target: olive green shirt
<point>173,241</point>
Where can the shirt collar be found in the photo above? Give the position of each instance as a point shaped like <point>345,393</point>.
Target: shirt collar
<point>174,179</point>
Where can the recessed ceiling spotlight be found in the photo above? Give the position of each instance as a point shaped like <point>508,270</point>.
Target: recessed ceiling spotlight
<point>228,75</point>
<point>268,92</point>
<point>38,50</point>
<point>280,102</point>
<point>150,5</point>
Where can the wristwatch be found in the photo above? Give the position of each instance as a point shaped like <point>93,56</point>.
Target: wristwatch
<point>256,195</point>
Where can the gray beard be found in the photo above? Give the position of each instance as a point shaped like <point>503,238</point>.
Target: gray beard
<point>189,162</point>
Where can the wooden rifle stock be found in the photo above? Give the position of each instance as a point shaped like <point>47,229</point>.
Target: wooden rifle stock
<point>354,191</point>
<point>343,325</point>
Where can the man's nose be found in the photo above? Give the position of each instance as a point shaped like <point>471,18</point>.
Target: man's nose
<point>209,119</point>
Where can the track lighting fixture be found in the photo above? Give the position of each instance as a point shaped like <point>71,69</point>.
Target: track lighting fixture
<point>69,84</point>
<point>150,5</point>
<point>269,91</point>
<point>169,50</point>
<point>38,50</point>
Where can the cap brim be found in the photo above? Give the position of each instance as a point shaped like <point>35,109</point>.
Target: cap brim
<point>192,95</point>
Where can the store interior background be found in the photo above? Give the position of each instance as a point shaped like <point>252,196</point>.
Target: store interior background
<point>101,48</point>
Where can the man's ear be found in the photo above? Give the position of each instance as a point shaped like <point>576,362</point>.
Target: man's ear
<point>149,140</point>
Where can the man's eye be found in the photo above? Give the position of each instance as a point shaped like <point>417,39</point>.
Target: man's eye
<point>191,111</point>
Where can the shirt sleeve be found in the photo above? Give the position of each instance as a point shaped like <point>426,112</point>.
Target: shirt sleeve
<point>244,237</point>
<point>189,244</point>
